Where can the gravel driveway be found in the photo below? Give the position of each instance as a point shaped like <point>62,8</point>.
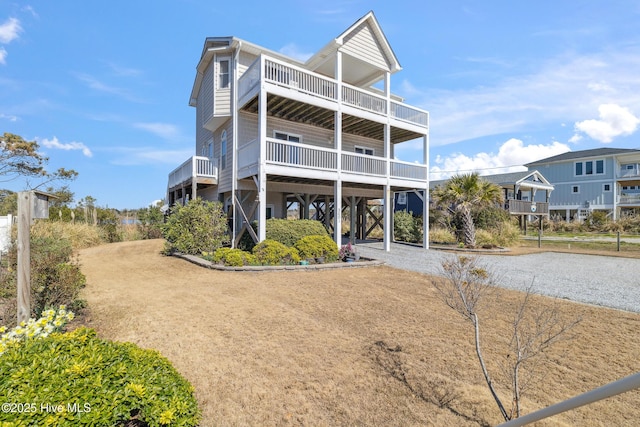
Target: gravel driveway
<point>600,280</point>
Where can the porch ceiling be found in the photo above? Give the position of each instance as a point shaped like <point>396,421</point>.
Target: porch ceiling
<point>296,111</point>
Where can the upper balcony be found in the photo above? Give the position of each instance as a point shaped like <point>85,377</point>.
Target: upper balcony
<point>322,90</point>
<point>196,170</point>
<point>629,173</point>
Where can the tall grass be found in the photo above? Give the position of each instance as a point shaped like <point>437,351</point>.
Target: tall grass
<point>80,235</point>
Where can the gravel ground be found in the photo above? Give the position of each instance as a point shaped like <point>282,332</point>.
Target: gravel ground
<point>605,281</point>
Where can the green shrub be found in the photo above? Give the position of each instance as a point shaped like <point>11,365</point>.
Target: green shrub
<point>317,246</point>
<point>87,381</point>
<point>233,257</point>
<point>199,226</point>
<point>406,227</point>
<point>150,222</point>
<point>288,232</point>
<point>270,252</point>
<point>56,278</point>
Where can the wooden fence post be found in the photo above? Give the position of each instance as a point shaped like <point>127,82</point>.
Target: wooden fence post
<point>24,256</point>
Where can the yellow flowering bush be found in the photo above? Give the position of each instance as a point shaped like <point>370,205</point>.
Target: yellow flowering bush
<point>51,321</point>
<point>77,379</point>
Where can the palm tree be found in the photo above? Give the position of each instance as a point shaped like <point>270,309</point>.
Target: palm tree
<point>466,192</point>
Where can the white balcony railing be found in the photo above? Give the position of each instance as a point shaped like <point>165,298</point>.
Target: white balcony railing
<point>301,155</point>
<point>363,99</point>
<point>629,199</point>
<point>194,167</point>
<point>306,156</point>
<point>408,170</point>
<point>629,173</point>
<point>304,81</point>
<point>364,164</point>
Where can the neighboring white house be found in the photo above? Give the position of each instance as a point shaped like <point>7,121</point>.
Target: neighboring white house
<point>605,179</point>
<point>272,131</point>
<point>5,233</point>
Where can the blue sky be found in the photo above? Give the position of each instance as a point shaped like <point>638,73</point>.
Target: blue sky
<point>104,86</point>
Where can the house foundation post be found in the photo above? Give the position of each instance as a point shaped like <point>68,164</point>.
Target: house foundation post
<point>388,224</point>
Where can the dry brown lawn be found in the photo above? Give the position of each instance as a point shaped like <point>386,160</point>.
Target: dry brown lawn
<point>370,346</point>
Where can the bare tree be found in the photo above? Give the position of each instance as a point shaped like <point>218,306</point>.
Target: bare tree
<point>533,330</point>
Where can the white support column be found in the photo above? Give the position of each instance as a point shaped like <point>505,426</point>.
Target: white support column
<point>388,195</point>
<point>194,178</point>
<point>262,173</point>
<point>337,212</point>
<point>234,142</point>
<point>388,223</point>
<point>337,131</point>
<point>425,205</point>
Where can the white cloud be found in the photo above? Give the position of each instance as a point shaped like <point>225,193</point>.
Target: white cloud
<point>9,117</point>
<point>3,55</point>
<point>614,121</point>
<point>163,130</point>
<point>293,51</point>
<point>56,144</point>
<point>511,157</point>
<point>130,156</point>
<point>99,86</point>
<point>561,89</point>
<point>10,30</point>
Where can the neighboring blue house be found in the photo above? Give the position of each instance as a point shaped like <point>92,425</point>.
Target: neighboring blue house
<point>601,179</point>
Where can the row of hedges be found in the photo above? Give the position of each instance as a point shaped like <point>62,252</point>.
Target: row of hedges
<point>272,252</point>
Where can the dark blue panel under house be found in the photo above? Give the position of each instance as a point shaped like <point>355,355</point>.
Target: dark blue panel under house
<point>408,201</point>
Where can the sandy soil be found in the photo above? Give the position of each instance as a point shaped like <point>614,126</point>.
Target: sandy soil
<point>371,346</point>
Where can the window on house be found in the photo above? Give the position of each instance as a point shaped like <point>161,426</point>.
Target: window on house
<point>223,150</point>
<point>364,150</point>
<point>575,189</point>
<point>579,168</point>
<point>589,168</point>
<point>599,166</point>
<point>629,167</point>
<point>223,74</point>
<point>606,187</point>
<point>286,153</point>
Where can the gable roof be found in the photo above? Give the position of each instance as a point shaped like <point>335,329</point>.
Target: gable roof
<point>360,68</point>
<point>523,179</point>
<point>573,155</point>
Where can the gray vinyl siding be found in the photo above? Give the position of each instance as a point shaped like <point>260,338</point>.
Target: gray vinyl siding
<point>225,175</point>
<point>363,45</point>
<point>245,60</point>
<point>311,135</point>
<point>349,143</point>
<point>321,137</point>
<point>247,127</point>
<point>205,97</point>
